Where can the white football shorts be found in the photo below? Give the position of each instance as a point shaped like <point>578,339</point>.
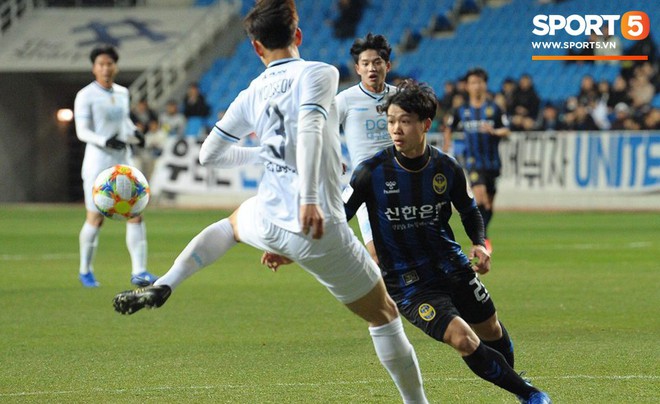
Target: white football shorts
<point>338,260</point>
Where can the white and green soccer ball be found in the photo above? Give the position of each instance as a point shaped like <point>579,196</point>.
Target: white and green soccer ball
<point>121,192</point>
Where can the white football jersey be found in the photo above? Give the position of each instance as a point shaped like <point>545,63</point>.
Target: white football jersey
<point>99,114</point>
<point>365,130</point>
<point>269,108</point>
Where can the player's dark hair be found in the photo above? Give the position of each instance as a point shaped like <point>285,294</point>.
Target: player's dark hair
<point>104,50</point>
<point>375,42</point>
<point>272,22</point>
<point>477,71</point>
<point>412,97</point>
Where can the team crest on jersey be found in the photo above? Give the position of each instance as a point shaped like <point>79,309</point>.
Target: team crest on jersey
<point>490,112</point>
<point>467,114</point>
<point>426,312</point>
<point>439,184</point>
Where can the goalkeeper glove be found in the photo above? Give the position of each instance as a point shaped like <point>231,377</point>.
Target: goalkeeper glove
<point>115,143</point>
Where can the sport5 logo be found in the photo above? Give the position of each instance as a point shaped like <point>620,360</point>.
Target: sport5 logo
<point>635,25</point>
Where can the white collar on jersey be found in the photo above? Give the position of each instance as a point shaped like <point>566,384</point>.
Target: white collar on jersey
<point>281,61</point>
<point>376,96</point>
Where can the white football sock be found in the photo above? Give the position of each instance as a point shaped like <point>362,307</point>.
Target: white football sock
<point>206,248</point>
<point>398,356</point>
<point>88,240</point>
<point>136,241</point>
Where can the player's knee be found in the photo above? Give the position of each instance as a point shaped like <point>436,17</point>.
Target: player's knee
<point>461,337</point>
<point>94,219</point>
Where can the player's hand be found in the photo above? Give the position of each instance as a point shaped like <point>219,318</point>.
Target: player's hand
<point>486,128</point>
<point>480,259</point>
<point>311,218</point>
<point>138,138</point>
<point>274,261</point>
<point>115,143</point>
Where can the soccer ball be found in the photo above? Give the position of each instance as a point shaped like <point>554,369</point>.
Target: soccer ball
<point>121,192</point>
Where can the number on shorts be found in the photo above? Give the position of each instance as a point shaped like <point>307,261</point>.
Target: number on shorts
<point>480,292</point>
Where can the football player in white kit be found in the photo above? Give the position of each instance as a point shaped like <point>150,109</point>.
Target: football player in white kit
<point>101,111</point>
<point>365,129</point>
<point>298,211</point>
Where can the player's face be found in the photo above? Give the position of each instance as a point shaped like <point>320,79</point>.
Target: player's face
<point>372,70</point>
<point>407,131</point>
<point>104,70</point>
<point>476,86</point>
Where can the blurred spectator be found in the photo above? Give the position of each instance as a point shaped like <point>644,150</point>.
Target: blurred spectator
<point>500,100</point>
<point>549,119</point>
<point>171,120</point>
<point>448,94</point>
<point>651,120</point>
<point>350,14</point>
<point>623,118</point>
<point>603,88</point>
<point>641,90</point>
<point>194,103</point>
<point>525,99</point>
<point>582,119</point>
<point>618,93</point>
<point>144,118</point>
<point>621,114</point>
<point>508,91</point>
<point>588,91</point>
<point>598,111</point>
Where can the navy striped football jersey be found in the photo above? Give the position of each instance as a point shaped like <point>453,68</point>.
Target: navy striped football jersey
<point>481,149</point>
<point>409,213</point>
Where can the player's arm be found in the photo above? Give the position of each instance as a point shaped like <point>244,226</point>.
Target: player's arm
<point>354,194</point>
<point>471,219</point>
<point>220,148</point>
<point>319,86</point>
<point>501,125</point>
<point>82,111</point>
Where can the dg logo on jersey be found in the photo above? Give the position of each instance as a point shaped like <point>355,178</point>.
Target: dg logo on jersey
<point>439,184</point>
<point>426,312</point>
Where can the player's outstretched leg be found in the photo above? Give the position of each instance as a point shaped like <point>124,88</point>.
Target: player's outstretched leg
<point>393,349</point>
<point>130,301</point>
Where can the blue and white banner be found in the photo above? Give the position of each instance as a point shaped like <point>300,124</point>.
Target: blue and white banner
<point>541,170</point>
<point>600,170</point>
<point>626,162</point>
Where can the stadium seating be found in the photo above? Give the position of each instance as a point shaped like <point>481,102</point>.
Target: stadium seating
<point>498,39</point>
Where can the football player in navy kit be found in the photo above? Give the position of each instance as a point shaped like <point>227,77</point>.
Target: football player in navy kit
<point>483,124</point>
<point>409,190</point>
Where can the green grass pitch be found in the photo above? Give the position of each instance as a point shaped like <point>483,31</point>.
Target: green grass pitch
<point>578,292</point>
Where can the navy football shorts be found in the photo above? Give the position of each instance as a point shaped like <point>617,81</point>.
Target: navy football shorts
<point>461,294</point>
